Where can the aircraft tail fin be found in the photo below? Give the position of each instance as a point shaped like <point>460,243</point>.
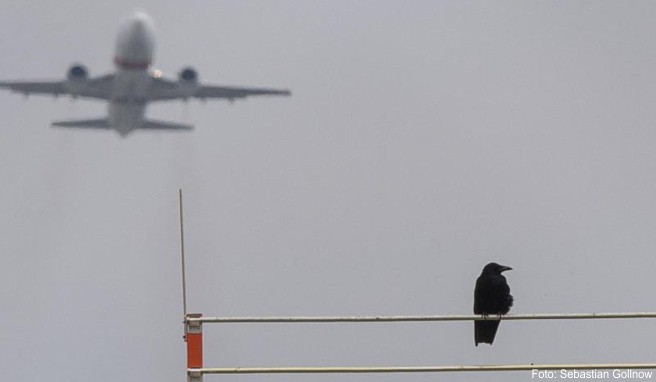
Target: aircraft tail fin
<point>103,123</point>
<point>162,125</point>
<point>98,123</point>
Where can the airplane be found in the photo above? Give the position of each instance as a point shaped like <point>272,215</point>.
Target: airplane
<point>133,84</point>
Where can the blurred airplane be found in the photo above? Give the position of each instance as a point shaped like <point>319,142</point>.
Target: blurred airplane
<point>133,84</point>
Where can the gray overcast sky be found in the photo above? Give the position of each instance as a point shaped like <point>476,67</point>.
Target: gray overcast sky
<point>423,140</point>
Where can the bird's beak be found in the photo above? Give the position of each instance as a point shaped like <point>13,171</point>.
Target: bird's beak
<point>505,268</point>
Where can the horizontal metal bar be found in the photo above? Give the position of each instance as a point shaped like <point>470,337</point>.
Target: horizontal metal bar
<point>417,369</point>
<point>471,317</point>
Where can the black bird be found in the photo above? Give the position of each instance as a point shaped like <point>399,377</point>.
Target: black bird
<point>491,296</point>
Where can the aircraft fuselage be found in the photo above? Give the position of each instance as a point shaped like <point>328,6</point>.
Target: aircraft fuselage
<point>135,45</point>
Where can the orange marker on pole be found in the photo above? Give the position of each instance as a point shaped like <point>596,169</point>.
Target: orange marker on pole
<point>194,342</point>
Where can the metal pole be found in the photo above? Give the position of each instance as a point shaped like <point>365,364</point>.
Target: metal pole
<point>419,369</point>
<point>464,317</point>
<point>182,256</point>
<point>193,330</point>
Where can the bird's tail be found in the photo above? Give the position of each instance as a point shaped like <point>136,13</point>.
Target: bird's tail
<point>484,331</point>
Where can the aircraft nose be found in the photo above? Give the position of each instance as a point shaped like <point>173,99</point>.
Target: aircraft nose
<point>140,27</point>
<point>135,42</point>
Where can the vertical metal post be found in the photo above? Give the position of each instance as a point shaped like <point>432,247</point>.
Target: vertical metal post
<point>194,340</point>
<point>193,330</point>
<point>182,257</point>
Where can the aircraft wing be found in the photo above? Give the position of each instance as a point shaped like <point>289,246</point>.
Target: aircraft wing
<point>231,92</point>
<point>99,87</point>
<point>35,87</point>
<point>162,89</point>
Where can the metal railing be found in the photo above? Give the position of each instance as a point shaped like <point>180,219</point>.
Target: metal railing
<point>418,369</point>
<point>464,317</point>
<point>195,369</point>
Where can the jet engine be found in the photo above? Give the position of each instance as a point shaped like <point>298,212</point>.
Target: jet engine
<point>76,76</point>
<point>188,75</point>
<point>77,72</point>
<point>188,81</point>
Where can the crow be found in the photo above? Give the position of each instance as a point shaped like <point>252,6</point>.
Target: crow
<point>491,296</point>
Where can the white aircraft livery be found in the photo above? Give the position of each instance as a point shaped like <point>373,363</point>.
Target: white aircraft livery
<point>133,84</point>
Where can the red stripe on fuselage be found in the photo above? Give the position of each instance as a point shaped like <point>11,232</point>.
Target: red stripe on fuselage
<point>131,65</point>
